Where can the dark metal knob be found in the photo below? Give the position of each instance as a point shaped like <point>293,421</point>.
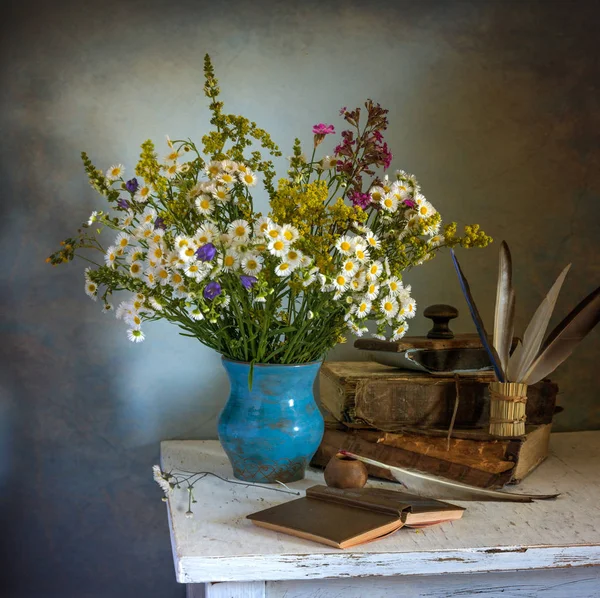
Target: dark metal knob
<point>441,315</point>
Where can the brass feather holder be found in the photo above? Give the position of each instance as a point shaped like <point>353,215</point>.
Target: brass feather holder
<point>508,401</point>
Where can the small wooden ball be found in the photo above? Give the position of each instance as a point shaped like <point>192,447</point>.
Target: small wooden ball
<point>345,472</point>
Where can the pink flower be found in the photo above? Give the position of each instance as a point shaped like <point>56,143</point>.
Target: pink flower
<point>323,129</point>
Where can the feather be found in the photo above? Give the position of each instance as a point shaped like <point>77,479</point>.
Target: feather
<point>430,486</point>
<point>536,330</point>
<point>565,337</point>
<point>495,361</point>
<point>505,307</point>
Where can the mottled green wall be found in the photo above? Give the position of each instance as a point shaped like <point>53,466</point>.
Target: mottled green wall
<point>494,105</point>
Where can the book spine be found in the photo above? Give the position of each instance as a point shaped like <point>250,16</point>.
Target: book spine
<point>347,497</point>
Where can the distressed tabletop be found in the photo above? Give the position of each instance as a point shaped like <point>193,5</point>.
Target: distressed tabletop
<point>219,544</point>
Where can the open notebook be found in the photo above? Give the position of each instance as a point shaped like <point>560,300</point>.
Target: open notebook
<point>346,518</point>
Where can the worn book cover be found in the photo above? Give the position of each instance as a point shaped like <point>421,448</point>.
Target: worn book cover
<point>472,457</point>
<point>363,394</point>
<point>346,518</point>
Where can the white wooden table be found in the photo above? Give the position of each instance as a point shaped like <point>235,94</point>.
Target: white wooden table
<point>549,549</point>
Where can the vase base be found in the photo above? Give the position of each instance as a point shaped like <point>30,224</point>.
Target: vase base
<point>269,474</point>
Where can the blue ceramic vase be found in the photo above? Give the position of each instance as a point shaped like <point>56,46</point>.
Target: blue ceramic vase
<point>270,432</point>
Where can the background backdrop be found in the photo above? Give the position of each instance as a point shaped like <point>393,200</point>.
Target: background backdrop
<point>493,104</point>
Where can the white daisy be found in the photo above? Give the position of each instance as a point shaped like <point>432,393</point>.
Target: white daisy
<point>213,169</point>
<point>305,261</point>
<point>127,219</point>
<point>374,270</point>
<point>93,217</point>
<point>148,216</point>
<point>135,335</point>
<point>389,306</point>
<point>399,332</point>
<point>436,241</point>
<point>124,309</point>
<point>226,178</point>
<point>145,231</point>
<point>133,319</point>
<point>115,171</point>
<point>173,155</point>
<point>91,289</point>
<point>283,269</point>
<point>404,294</point>
<point>229,166</point>
<point>360,251</point>
<point>294,258</point>
<point>252,264</point>
<point>205,234</point>
<point>162,275</point>
<point>122,240</point>
<point>273,231</point>
<point>239,230</point>
<point>135,254</point>
<point>394,285</point>
<point>389,203</point>
<point>372,291</point>
<point>248,178</point>
<point>156,304</point>
<point>425,210</point>
<point>107,307</point>
<point>420,199</point>
<point>110,257</point>
<point>182,241</point>
<point>150,277</point>
<point>156,252</point>
<point>142,194</point>
<point>204,205</point>
<point>410,307</point>
<point>136,269</point>
<point>328,162</point>
<point>278,247</point>
<point>221,194</point>
<point>171,170</point>
<point>359,281</point>
<point>195,313</point>
<point>401,190</point>
<point>362,309</point>
<point>377,194</point>
<point>373,240</point>
<point>345,245</point>
<point>261,225</point>
<point>176,279</point>
<point>157,236</point>
<point>381,337</point>
<point>349,267</point>
<point>193,269</point>
<point>229,261</point>
<point>289,233</point>
<point>340,282</point>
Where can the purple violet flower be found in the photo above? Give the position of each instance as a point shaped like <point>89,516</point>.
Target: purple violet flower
<point>132,185</point>
<point>212,290</point>
<point>359,199</point>
<point>248,281</point>
<point>206,253</point>
<point>160,223</point>
<point>123,203</point>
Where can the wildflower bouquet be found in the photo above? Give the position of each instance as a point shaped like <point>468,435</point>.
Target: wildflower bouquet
<point>276,288</point>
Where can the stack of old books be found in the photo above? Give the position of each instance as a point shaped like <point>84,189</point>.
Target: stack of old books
<point>403,417</point>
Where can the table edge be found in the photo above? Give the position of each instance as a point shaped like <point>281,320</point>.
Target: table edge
<point>280,567</point>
